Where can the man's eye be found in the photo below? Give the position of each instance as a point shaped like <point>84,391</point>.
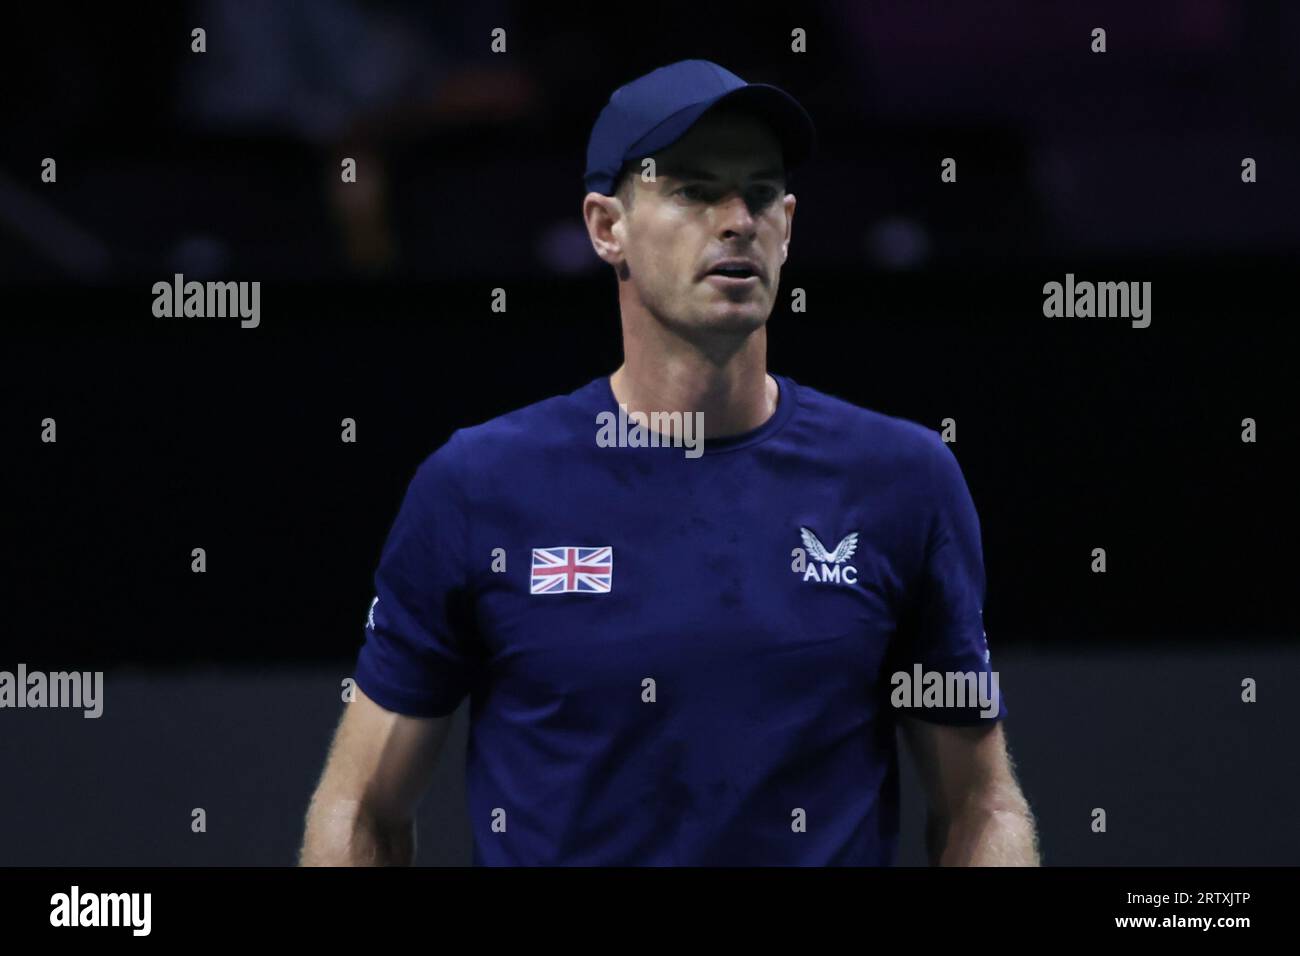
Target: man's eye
<point>758,198</point>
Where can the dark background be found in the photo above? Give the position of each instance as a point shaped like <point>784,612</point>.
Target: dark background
<point>924,301</point>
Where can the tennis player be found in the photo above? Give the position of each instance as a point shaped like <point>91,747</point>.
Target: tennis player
<point>693,604</point>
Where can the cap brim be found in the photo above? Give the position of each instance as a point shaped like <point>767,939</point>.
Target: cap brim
<point>789,121</point>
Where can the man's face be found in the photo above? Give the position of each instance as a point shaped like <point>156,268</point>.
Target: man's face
<point>718,194</point>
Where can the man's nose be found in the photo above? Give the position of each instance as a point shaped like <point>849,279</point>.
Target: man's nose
<point>736,217</point>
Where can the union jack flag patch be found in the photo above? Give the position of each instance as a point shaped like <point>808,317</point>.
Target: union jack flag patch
<point>563,570</point>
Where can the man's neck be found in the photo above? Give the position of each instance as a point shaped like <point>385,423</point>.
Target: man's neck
<point>735,397</point>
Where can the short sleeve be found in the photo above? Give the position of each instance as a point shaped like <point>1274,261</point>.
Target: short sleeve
<point>418,657</point>
<point>944,629</point>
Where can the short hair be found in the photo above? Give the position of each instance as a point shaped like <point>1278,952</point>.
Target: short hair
<point>624,184</point>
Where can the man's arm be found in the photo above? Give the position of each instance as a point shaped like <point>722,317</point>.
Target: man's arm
<point>977,814</point>
<point>363,810</point>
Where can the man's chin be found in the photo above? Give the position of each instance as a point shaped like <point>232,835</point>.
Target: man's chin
<point>733,316</point>
<point>717,323</point>
<point>734,322</point>
<point>721,336</point>
<point>735,328</point>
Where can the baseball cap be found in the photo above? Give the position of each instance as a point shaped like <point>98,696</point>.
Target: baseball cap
<point>655,110</point>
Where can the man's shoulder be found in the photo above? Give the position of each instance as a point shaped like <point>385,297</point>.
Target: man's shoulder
<point>868,430</point>
<point>521,434</point>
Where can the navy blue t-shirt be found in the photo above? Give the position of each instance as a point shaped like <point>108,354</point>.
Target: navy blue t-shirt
<point>655,674</point>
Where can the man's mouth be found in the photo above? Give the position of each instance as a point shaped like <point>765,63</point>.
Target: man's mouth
<point>729,273</point>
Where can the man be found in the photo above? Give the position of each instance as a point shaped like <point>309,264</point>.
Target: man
<point>675,653</point>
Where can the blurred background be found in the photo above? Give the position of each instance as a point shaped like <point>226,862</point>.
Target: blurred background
<point>924,301</point>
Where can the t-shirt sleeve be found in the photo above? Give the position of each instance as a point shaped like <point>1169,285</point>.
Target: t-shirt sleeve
<point>944,631</point>
<point>419,653</point>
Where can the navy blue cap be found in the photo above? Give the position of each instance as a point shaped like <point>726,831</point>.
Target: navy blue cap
<point>655,110</point>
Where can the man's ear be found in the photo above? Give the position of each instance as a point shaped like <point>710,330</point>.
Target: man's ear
<point>790,202</point>
<point>605,217</point>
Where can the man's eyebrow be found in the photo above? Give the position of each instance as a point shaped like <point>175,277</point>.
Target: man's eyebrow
<point>690,172</point>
